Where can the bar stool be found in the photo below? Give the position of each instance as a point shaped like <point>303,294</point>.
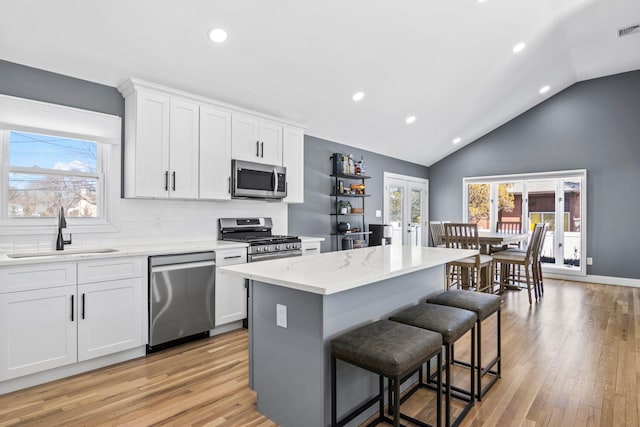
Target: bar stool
<point>391,350</point>
<point>452,323</point>
<point>484,305</point>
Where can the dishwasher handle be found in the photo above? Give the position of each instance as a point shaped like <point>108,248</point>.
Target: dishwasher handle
<point>173,267</point>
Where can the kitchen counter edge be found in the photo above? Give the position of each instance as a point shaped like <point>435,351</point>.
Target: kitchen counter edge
<point>150,249</point>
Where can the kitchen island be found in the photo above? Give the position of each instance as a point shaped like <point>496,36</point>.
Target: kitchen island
<point>297,305</point>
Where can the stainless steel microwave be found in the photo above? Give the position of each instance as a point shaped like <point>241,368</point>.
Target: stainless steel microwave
<point>257,180</point>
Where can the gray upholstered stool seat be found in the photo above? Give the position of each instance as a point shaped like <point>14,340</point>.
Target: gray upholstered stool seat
<point>452,323</point>
<point>484,305</point>
<point>389,349</point>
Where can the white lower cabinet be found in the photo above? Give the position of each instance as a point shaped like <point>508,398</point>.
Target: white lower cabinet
<point>37,330</point>
<point>310,248</point>
<point>231,291</point>
<point>109,317</point>
<point>46,323</point>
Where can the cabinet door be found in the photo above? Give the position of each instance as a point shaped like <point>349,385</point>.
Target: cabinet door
<point>231,293</point>
<point>109,317</point>
<point>151,146</point>
<point>293,160</point>
<point>231,299</point>
<point>270,143</point>
<point>215,153</point>
<point>245,135</point>
<point>183,153</point>
<point>37,330</point>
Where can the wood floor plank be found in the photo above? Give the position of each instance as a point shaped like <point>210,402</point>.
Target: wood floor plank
<point>572,359</point>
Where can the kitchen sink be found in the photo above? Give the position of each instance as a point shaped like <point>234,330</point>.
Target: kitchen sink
<point>60,253</point>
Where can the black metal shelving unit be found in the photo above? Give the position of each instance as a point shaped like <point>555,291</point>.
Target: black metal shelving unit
<point>352,198</point>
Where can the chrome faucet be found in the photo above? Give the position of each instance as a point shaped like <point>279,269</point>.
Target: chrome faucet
<point>62,223</point>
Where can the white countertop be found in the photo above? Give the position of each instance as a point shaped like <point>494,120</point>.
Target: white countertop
<point>333,272</point>
<point>128,250</point>
<point>311,239</point>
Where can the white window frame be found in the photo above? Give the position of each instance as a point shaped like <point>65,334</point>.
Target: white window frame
<point>49,119</point>
<point>493,209</point>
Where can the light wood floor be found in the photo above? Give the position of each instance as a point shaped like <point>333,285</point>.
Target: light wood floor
<point>571,359</point>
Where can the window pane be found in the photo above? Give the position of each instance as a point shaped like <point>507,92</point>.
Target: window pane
<point>31,150</point>
<point>32,195</point>
<point>395,205</point>
<point>542,208</point>
<point>572,218</point>
<point>416,203</point>
<point>510,202</point>
<point>479,198</point>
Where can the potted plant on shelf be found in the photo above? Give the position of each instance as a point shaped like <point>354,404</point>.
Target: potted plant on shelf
<point>343,206</point>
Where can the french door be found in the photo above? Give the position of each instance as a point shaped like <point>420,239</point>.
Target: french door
<point>405,208</point>
<point>557,199</point>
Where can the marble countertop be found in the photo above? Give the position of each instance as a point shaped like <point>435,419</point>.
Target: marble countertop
<point>311,239</point>
<point>80,253</point>
<point>334,272</point>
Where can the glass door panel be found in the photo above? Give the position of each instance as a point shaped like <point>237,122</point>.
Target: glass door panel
<point>572,221</point>
<point>510,202</point>
<point>542,208</point>
<point>479,196</point>
<point>415,216</point>
<point>396,211</point>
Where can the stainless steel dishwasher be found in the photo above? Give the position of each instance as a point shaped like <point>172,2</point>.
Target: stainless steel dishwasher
<point>181,298</point>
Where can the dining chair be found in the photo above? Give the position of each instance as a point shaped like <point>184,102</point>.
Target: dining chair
<point>525,259</point>
<point>474,272</point>
<point>436,228</point>
<point>537,276</point>
<point>509,227</point>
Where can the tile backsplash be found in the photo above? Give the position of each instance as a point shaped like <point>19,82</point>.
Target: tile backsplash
<point>151,221</point>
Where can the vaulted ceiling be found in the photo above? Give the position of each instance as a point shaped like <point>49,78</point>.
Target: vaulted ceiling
<point>448,63</point>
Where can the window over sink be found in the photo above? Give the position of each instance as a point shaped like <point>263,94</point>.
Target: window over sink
<point>54,156</point>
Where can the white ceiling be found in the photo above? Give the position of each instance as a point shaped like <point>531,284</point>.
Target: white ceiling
<point>450,63</point>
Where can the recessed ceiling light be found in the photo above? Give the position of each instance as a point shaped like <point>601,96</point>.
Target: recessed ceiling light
<point>457,140</point>
<point>218,35</point>
<point>410,119</point>
<point>357,96</point>
<point>481,1</point>
<point>544,89</point>
<point>518,48</point>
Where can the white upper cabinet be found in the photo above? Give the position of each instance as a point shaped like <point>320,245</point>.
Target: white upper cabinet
<point>161,146</point>
<point>183,149</point>
<point>293,160</point>
<point>256,140</point>
<point>180,145</point>
<point>147,145</point>
<point>215,153</point>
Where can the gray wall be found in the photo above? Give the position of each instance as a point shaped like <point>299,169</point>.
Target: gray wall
<point>32,83</point>
<point>312,217</point>
<point>592,125</point>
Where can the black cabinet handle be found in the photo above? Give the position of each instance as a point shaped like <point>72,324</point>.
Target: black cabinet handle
<point>257,148</point>
<point>173,175</point>
<point>166,181</point>
<point>83,305</point>
<point>72,319</point>
<point>232,257</point>
<point>262,150</point>
<point>229,179</point>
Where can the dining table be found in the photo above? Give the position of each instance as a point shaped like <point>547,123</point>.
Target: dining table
<point>486,239</point>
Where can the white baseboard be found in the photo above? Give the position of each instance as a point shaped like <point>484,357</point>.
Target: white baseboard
<point>603,280</point>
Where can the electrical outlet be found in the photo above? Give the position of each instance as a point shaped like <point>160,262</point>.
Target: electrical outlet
<point>378,213</point>
<point>281,315</point>
<point>589,261</point>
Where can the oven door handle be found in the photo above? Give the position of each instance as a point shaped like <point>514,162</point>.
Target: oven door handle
<point>171,267</point>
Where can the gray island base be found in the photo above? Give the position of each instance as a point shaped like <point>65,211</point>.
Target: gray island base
<point>289,368</point>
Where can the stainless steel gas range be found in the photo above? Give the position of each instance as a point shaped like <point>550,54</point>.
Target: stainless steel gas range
<point>257,233</point>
